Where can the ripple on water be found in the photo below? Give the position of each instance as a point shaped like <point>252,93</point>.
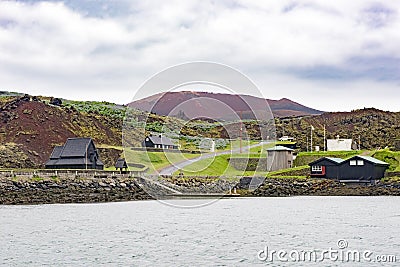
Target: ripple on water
<point>226,233</point>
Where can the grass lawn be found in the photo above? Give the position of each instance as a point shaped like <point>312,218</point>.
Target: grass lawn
<point>284,171</point>
<point>261,150</point>
<point>156,160</point>
<point>218,166</point>
<point>212,166</point>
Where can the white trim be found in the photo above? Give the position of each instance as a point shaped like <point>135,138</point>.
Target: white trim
<point>316,168</point>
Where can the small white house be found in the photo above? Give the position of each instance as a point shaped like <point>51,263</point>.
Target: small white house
<point>339,144</point>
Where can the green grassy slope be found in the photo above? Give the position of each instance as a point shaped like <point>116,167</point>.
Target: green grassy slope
<point>391,157</point>
<point>156,160</point>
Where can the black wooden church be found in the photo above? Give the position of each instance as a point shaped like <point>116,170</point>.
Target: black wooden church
<point>76,153</point>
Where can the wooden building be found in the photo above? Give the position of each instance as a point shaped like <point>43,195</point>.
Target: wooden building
<point>279,157</point>
<point>354,169</point>
<point>121,165</point>
<point>76,153</point>
<point>159,141</point>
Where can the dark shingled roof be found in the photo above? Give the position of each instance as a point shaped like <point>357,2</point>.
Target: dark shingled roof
<point>121,163</point>
<point>157,140</point>
<point>72,153</point>
<point>56,152</point>
<point>75,147</point>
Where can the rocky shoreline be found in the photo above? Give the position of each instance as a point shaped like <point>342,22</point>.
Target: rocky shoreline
<point>88,190</point>
<point>92,190</point>
<point>283,187</point>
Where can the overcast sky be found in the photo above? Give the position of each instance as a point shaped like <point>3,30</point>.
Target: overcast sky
<point>330,55</point>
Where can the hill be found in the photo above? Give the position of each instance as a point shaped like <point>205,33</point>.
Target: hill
<point>30,127</point>
<point>374,128</point>
<point>36,127</point>
<point>220,106</point>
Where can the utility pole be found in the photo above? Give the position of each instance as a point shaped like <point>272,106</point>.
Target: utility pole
<point>241,129</point>
<point>359,142</point>
<point>324,137</point>
<point>311,139</point>
<point>86,156</point>
<point>307,142</point>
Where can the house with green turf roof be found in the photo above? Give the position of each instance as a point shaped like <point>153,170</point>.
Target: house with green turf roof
<point>355,169</point>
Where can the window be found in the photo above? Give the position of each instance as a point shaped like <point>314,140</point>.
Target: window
<point>316,168</point>
<point>356,162</point>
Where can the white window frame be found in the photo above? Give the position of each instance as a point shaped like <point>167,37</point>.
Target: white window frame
<point>353,162</point>
<point>360,162</point>
<point>316,168</point>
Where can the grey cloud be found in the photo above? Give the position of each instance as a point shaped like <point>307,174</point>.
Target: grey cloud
<point>61,48</point>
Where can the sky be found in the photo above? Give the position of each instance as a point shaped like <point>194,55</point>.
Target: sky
<point>329,55</point>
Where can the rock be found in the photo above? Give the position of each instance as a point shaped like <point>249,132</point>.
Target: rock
<point>103,184</point>
<point>56,101</point>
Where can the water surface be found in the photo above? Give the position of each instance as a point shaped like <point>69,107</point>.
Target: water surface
<point>230,232</point>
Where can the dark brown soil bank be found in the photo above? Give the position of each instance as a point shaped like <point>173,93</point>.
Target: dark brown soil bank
<point>69,191</point>
<point>321,187</point>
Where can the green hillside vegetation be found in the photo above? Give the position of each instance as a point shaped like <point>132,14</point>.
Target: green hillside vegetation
<point>391,157</point>
<point>9,94</point>
<point>300,172</point>
<point>103,108</point>
<point>375,128</point>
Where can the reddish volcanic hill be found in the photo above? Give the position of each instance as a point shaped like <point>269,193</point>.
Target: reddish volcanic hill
<point>37,127</point>
<point>221,106</point>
